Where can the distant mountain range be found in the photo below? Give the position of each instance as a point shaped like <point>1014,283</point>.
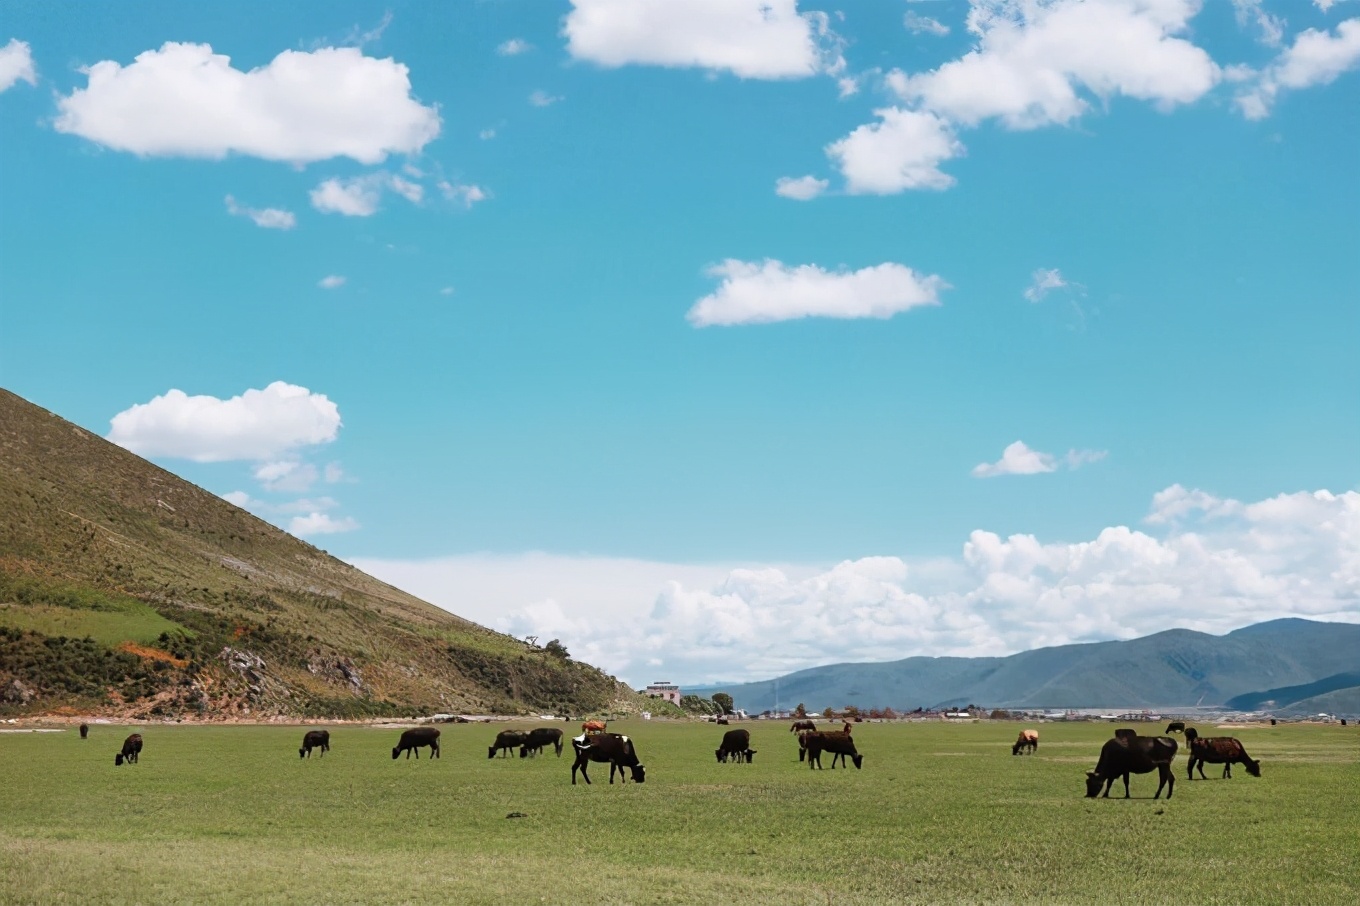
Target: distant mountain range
<point>1290,662</point>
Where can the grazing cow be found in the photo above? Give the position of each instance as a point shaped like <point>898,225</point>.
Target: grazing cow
<point>505,741</point>
<point>315,739</point>
<point>838,744</point>
<point>800,726</point>
<point>415,739</point>
<point>84,730</point>
<point>535,740</point>
<point>1129,753</point>
<point>1028,739</point>
<point>614,748</point>
<point>1224,750</point>
<point>132,747</point>
<point>737,745</point>
<point>1176,726</point>
<point>594,726</point>
<point>803,744</point>
<point>723,721</point>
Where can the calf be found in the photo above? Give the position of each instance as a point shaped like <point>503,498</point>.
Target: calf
<point>1129,753</point>
<point>1028,739</point>
<point>1176,726</point>
<point>838,744</point>
<point>315,739</point>
<point>415,739</point>
<point>737,745</point>
<point>84,730</point>
<point>506,740</point>
<point>132,747</point>
<point>535,740</point>
<point>1224,750</point>
<point>614,748</point>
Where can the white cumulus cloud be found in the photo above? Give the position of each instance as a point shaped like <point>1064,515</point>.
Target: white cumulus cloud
<point>761,292</point>
<point>184,100</point>
<point>801,188</point>
<point>1019,459</point>
<point>16,64</point>
<point>268,218</point>
<point>257,425</point>
<point>320,524</point>
<point>752,39</point>
<point>1315,58</point>
<point>1224,564</point>
<point>903,150</point>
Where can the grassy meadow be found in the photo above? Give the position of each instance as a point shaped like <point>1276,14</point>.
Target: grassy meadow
<point>940,813</point>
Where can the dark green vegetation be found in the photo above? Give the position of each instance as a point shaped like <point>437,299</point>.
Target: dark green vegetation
<point>1177,667</point>
<point>939,814</point>
<point>126,590</point>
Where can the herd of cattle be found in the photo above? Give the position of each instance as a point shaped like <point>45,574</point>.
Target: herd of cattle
<point>1127,753</point>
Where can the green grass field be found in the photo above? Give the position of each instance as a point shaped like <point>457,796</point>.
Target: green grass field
<point>939,814</point>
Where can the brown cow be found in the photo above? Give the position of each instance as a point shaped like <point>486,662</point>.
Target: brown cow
<point>416,738</point>
<point>803,744</point>
<point>614,748</point>
<point>594,726</point>
<point>132,747</point>
<point>1224,750</point>
<point>1028,739</point>
<point>1129,753</point>
<point>838,744</point>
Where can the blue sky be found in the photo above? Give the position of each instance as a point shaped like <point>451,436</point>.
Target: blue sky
<point>720,342</point>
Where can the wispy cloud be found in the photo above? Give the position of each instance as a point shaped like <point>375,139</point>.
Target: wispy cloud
<point>802,188</point>
<point>514,47</point>
<point>268,218</point>
<point>1019,459</point>
<point>332,281</point>
<point>543,99</point>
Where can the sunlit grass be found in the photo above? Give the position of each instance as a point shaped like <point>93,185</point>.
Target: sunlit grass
<point>938,814</point>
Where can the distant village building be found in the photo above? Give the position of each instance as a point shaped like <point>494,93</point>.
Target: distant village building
<point>662,689</point>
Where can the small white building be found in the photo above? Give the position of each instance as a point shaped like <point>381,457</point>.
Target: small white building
<point>666,690</point>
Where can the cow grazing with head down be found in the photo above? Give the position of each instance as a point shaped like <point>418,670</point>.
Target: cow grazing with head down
<point>614,748</point>
<point>838,744</point>
<point>84,730</point>
<point>736,744</point>
<point>803,744</point>
<point>1027,740</point>
<point>1176,726</point>
<point>1128,753</point>
<point>506,740</point>
<point>801,726</point>
<point>535,740</point>
<point>315,739</point>
<point>132,747</point>
<point>1224,750</point>
<point>415,739</point>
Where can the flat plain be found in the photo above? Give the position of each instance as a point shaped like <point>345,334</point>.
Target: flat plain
<point>939,814</point>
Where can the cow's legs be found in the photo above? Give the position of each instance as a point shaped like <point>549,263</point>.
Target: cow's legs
<point>1126,784</point>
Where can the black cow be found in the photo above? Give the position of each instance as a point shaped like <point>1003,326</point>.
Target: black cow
<point>1176,726</point>
<point>803,744</point>
<point>505,741</point>
<point>838,744</point>
<point>1129,753</point>
<point>614,748</point>
<point>737,745</point>
<point>415,739</point>
<point>535,740</point>
<point>84,730</point>
<point>1224,750</point>
<point>315,739</point>
<point>132,747</point>
<point>802,725</point>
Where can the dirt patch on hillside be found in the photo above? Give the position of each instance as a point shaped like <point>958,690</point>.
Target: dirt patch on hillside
<point>152,654</point>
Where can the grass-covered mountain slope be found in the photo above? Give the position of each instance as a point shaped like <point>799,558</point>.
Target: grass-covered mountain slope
<point>125,589</point>
<point>1176,667</point>
<point>1288,695</point>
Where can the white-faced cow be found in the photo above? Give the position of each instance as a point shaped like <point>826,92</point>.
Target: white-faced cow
<point>736,744</point>
<point>415,739</point>
<point>506,741</point>
<point>1128,753</point>
<point>1027,740</point>
<point>132,747</point>
<point>315,739</point>
<point>535,740</point>
<point>1224,750</point>
<point>1176,726</point>
<point>838,744</point>
<point>614,748</point>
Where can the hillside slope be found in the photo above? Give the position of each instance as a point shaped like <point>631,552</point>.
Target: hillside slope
<point>1176,667</point>
<point>126,589</point>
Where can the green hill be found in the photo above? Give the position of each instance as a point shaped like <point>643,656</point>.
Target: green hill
<point>1288,695</point>
<point>127,590</point>
<point>1176,667</point>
